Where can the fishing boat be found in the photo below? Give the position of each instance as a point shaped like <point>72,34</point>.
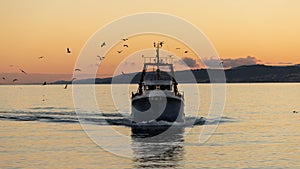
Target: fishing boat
<point>157,97</point>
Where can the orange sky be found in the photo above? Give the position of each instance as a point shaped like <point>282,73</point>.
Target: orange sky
<point>265,29</point>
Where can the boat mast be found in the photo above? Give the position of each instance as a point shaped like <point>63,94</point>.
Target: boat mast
<point>158,45</point>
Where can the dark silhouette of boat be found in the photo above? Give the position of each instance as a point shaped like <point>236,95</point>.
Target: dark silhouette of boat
<point>157,97</point>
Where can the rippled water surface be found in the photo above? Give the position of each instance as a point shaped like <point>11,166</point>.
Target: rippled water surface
<point>258,129</point>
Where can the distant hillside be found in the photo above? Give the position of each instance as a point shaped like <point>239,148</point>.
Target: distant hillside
<point>242,74</point>
<point>263,73</point>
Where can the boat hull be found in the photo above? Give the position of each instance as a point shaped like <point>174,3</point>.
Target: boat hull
<point>157,108</point>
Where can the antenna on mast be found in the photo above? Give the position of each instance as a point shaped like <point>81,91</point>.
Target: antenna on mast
<point>158,45</point>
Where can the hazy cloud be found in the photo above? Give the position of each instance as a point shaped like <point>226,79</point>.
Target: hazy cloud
<point>229,63</point>
<point>280,63</point>
<point>285,63</point>
<point>190,62</point>
<point>249,60</point>
<point>130,63</point>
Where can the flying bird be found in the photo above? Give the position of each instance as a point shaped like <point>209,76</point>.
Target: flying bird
<point>103,44</point>
<point>119,51</point>
<point>66,86</point>
<point>125,39</point>
<point>22,71</point>
<point>177,48</point>
<point>78,70</point>
<point>41,57</point>
<point>161,43</point>
<point>100,57</point>
<point>170,56</point>
<point>125,46</point>
<point>3,78</point>
<point>15,80</point>
<point>11,65</point>
<point>186,51</point>
<point>43,98</point>
<point>68,50</point>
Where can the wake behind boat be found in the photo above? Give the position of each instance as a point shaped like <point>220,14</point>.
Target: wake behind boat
<point>157,97</point>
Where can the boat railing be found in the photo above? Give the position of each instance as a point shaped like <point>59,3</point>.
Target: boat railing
<point>157,82</point>
<point>162,60</point>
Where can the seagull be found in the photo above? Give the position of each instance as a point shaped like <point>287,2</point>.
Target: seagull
<point>186,51</point>
<point>125,46</point>
<point>161,43</point>
<point>45,83</point>
<point>177,48</point>
<point>23,71</point>
<point>100,57</point>
<point>119,51</point>
<point>3,78</point>
<point>125,39</point>
<point>68,50</point>
<point>103,44</point>
<point>15,80</point>
<point>66,86</point>
<point>43,98</point>
<point>11,65</point>
<point>41,57</point>
<point>78,70</point>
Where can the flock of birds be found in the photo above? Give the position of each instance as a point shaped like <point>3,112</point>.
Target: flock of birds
<point>103,44</point>
<point>68,51</point>
<point>24,72</point>
<point>15,79</point>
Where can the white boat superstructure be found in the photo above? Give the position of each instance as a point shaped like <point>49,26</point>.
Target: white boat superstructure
<point>157,97</point>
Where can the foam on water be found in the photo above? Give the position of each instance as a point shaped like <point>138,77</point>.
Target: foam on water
<point>51,114</point>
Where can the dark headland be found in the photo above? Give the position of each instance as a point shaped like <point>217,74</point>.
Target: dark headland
<point>242,74</point>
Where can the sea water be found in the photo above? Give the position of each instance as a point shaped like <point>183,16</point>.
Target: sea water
<point>258,129</point>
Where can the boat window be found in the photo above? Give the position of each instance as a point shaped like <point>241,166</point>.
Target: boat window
<point>164,87</point>
<point>150,87</point>
<point>168,87</point>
